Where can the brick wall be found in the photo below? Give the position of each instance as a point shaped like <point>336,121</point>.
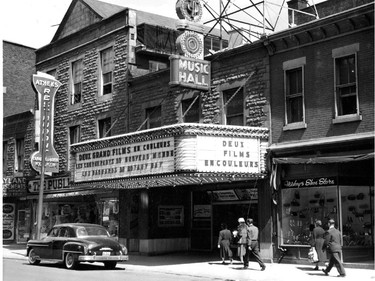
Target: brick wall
<point>324,9</point>
<point>319,89</point>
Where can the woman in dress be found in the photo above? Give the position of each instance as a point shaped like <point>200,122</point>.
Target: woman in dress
<point>317,242</point>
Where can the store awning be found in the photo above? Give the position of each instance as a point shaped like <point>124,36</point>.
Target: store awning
<point>182,179</point>
<point>323,160</point>
<point>69,194</point>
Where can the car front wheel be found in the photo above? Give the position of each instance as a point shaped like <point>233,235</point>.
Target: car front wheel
<point>110,264</point>
<point>32,257</point>
<point>70,261</point>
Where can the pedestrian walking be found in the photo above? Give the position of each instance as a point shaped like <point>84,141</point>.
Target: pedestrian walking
<point>333,244</point>
<point>317,242</point>
<point>253,246</point>
<point>242,241</point>
<point>224,242</point>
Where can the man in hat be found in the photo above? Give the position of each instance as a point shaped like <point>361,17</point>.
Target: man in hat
<point>333,244</point>
<point>243,242</point>
<point>253,246</point>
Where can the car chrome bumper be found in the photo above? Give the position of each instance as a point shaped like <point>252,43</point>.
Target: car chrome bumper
<point>103,258</point>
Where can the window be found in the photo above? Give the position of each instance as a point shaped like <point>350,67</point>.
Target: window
<point>346,85</point>
<point>76,82</point>
<point>52,72</point>
<point>107,67</point>
<point>20,154</point>
<point>5,157</point>
<point>104,125</point>
<point>156,65</point>
<point>190,107</point>
<point>74,134</point>
<point>294,95</point>
<point>153,115</point>
<point>234,109</point>
<point>294,92</point>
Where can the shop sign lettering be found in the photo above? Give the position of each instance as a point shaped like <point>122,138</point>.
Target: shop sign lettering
<point>143,158</point>
<point>50,185</point>
<point>14,186</point>
<point>310,182</point>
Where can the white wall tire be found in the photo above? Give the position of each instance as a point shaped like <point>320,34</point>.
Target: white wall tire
<point>32,258</point>
<point>70,261</point>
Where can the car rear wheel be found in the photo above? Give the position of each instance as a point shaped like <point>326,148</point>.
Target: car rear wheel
<point>70,261</point>
<point>32,257</point>
<point>110,264</point>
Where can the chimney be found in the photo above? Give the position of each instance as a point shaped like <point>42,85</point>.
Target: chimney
<point>295,5</point>
<point>235,39</point>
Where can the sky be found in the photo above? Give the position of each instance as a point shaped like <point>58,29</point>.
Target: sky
<point>33,23</point>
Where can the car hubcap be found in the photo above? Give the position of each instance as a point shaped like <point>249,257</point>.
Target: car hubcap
<point>69,260</point>
<point>32,256</point>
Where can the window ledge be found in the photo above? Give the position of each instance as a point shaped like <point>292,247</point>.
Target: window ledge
<point>347,118</point>
<point>74,106</point>
<point>104,97</point>
<point>295,126</point>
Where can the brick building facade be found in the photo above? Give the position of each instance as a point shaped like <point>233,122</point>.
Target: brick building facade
<point>18,118</point>
<point>322,145</point>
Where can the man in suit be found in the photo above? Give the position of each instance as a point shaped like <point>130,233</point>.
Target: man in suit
<point>333,244</point>
<point>253,246</point>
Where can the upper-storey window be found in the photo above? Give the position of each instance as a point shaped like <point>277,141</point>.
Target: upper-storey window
<point>153,115</point>
<point>190,110</point>
<point>156,65</point>
<point>346,83</point>
<point>52,72</point>
<point>77,77</point>
<point>104,126</point>
<point>107,67</point>
<point>294,94</point>
<point>234,106</point>
<point>20,155</point>
<point>74,134</point>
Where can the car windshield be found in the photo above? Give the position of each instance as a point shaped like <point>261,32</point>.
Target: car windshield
<point>85,231</point>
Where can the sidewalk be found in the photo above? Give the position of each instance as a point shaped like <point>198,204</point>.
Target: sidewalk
<point>205,265</point>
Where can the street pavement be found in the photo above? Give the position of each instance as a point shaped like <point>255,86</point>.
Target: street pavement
<point>209,266</point>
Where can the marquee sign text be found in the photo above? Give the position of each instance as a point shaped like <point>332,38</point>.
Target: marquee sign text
<point>135,159</point>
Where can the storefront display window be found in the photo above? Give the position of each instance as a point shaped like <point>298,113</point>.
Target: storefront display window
<point>57,213</point>
<point>357,216</point>
<point>350,206</point>
<point>301,207</point>
<point>109,215</point>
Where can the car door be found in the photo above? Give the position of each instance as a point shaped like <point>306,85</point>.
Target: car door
<point>59,242</point>
<point>44,246</point>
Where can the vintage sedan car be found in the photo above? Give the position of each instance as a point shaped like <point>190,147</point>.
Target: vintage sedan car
<point>73,243</point>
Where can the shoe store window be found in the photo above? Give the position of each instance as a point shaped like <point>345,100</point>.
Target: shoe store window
<point>352,207</point>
